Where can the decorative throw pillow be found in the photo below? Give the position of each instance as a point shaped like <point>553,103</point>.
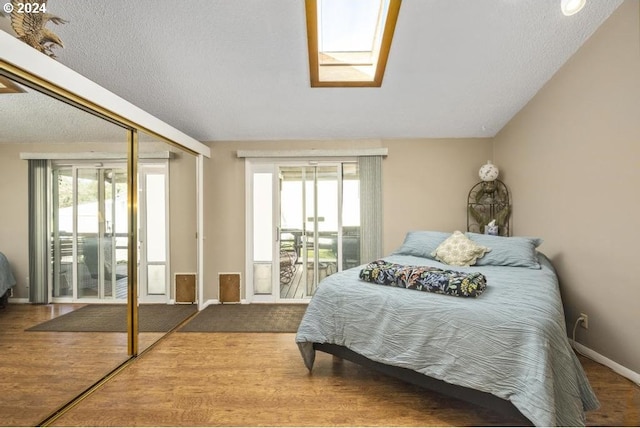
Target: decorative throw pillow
<point>458,250</point>
<point>421,243</point>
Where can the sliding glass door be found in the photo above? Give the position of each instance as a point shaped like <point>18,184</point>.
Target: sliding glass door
<point>89,234</point>
<point>308,229</point>
<point>305,227</point>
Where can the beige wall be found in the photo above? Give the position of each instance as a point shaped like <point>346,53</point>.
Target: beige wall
<point>183,215</point>
<point>572,160</point>
<point>14,227</point>
<point>424,182</point>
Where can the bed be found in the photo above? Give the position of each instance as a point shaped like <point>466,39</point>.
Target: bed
<point>506,348</point>
<point>6,280</point>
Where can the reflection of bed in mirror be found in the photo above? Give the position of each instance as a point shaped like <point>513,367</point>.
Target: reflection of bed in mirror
<point>7,280</point>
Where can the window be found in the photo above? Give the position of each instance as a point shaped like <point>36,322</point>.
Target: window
<point>349,41</point>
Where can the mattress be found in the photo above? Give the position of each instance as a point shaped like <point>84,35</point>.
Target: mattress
<point>510,341</point>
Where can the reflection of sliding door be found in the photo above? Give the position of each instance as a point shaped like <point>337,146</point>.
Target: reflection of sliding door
<point>313,232</point>
<point>153,235</point>
<point>89,234</point>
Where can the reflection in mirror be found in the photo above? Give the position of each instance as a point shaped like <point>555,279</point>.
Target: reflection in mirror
<point>63,186</point>
<point>167,212</point>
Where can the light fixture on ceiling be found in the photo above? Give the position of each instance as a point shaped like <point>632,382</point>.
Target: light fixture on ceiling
<point>571,7</point>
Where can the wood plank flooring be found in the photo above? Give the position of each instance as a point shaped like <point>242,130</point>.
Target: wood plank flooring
<point>258,379</point>
<point>41,371</point>
<point>214,379</point>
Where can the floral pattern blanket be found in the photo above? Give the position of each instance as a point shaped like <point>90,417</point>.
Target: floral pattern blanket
<point>424,278</point>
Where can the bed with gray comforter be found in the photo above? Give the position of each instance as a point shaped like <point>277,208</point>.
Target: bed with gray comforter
<point>510,341</point>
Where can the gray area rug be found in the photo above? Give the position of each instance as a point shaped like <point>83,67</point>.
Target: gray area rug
<point>113,318</point>
<point>253,318</point>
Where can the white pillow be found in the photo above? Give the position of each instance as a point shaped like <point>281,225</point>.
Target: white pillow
<point>458,250</point>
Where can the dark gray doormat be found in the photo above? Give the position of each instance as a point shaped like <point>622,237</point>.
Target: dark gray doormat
<point>113,318</point>
<point>253,318</point>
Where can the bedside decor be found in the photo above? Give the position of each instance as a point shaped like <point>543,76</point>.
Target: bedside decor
<point>489,204</point>
<point>488,172</point>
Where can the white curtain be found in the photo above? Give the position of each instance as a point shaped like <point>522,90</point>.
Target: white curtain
<point>371,245</point>
<point>38,231</point>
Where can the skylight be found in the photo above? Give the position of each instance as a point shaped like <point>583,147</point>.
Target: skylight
<point>349,40</point>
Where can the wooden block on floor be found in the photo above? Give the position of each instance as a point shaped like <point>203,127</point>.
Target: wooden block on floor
<point>186,288</point>
<point>229,291</point>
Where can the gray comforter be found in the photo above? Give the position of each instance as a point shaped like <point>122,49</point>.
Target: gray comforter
<point>6,276</point>
<point>511,341</point>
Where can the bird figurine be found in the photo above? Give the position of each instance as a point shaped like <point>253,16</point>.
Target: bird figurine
<point>30,26</point>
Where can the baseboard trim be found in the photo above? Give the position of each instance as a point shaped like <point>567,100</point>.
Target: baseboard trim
<point>599,358</point>
<point>210,302</point>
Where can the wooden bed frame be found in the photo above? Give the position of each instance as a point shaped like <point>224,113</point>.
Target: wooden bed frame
<point>483,399</point>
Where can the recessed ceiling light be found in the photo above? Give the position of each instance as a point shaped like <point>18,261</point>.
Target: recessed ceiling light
<point>571,7</point>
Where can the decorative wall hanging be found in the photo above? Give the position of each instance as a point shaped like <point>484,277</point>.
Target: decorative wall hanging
<point>28,20</point>
<point>489,204</point>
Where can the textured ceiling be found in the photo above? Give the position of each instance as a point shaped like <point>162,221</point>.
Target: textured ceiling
<point>238,69</point>
<point>32,117</point>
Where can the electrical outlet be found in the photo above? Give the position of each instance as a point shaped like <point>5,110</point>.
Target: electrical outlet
<point>584,323</point>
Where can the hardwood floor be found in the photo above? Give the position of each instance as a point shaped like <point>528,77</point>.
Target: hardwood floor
<point>41,371</point>
<point>251,379</point>
<point>214,379</point>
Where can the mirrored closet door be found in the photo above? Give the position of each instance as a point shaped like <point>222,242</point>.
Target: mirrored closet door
<point>82,243</point>
<point>77,180</point>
